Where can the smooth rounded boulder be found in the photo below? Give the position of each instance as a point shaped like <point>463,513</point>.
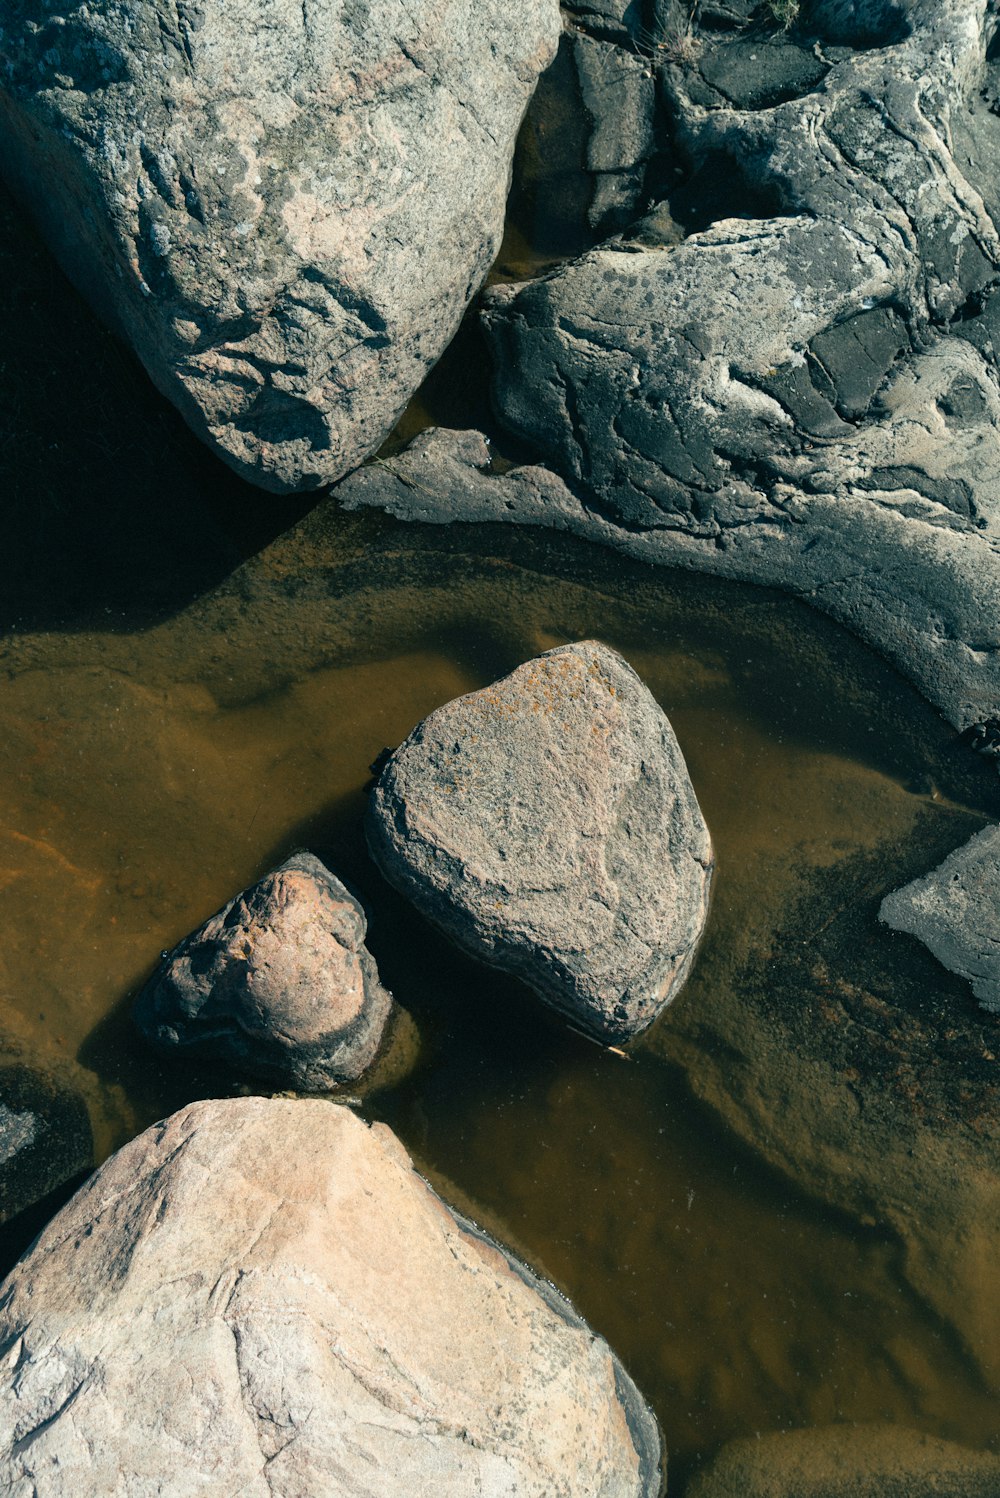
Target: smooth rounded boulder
<point>262,1296</point>
<point>284,206</point>
<point>549,826</point>
<point>278,983</point>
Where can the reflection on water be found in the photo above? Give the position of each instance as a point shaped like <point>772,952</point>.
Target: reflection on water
<point>147,775</point>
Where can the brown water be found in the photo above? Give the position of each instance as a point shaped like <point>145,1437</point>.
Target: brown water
<point>181,708</point>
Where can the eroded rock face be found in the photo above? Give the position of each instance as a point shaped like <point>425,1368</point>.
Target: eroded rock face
<point>955,911</point>
<point>278,983</point>
<point>848,1461</point>
<point>803,393</point>
<point>284,207</point>
<point>547,823</point>
<point>263,1297</point>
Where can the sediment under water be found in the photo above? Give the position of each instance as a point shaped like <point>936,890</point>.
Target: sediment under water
<point>188,694</point>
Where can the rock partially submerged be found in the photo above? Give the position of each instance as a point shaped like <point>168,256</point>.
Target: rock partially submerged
<point>45,1136</point>
<point>955,911</point>
<point>803,393</point>
<point>263,1297</point>
<point>283,207</point>
<point>278,983</point>
<point>848,1461</point>
<point>548,824</point>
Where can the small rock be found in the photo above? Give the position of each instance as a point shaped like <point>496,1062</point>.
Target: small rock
<point>45,1137</point>
<point>262,1296</point>
<point>548,825</point>
<point>955,911</point>
<point>278,982</point>
<point>848,1461</point>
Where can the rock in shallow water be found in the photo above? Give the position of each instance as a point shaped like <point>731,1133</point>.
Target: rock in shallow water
<point>955,911</point>
<point>548,824</point>
<point>263,1297</point>
<point>284,206</point>
<point>848,1461</point>
<point>45,1137</point>
<point>278,982</point>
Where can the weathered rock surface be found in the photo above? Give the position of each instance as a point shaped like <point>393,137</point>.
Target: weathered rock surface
<point>284,207</point>
<point>263,1297</point>
<point>45,1137</point>
<point>955,911</point>
<point>278,983</point>
<point>848,1461</point>
<point>547,823</point>
<point>804,392</point>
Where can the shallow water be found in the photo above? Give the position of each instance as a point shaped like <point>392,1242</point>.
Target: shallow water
<point>182,708</point>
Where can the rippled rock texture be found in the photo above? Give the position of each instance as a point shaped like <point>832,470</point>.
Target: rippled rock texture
<point>263,1297</point>
<point>548,824</point>
<point>803,391</point>
<point>278,983</point>
<point>283,206</point>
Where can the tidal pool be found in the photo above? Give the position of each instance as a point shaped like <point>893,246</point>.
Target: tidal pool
<point>192,686</point>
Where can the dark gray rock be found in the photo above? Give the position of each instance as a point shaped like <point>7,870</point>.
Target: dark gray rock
<point>782,398</point>
<point>277,983</point>
<point>263,1297</point>
<point>283,206</point>
<point>45,1137</point>
<point>547,823</point>
<point>848,1461</point>
<point>955,911</point>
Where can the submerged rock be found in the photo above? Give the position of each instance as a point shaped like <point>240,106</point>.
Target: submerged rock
<point>45,1137</point>
<point>955,911</point>
<point>284,207</point>
<point>263,1296</point>
<point>848,1461</point>
<point>548,825</point>
<point>278,982</point>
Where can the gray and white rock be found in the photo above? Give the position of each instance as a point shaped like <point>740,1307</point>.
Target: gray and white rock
<point>45,1136</point>
<point>278,983</point>
<point>803,394</point>
<point>284,207</point>
<point>955,911</point>
<point>548,824</point>
<point>263,1297</point>
<point>848,1461</point>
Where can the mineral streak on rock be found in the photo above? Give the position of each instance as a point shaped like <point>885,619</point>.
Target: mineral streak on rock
<point>283,205</point>
<point>278,983</point>
<point>262,1297</point>
<point>547,823</point>
<point>955,911</point>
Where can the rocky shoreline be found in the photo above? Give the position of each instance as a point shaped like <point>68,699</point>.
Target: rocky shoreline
<point>761,348</point>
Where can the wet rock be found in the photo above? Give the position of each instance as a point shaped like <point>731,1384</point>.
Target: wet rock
<point>848,1461</point>
<point>45,1137</point>
<point>283,207</point>
<point>784,397</point>
<point>547,823</point>
<point>955,911</point>
<point>263,1296</point>
<point>277,983</point>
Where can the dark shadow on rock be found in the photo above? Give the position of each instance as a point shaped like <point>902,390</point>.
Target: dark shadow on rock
<point>110,504</point>
<point>18,1233</point>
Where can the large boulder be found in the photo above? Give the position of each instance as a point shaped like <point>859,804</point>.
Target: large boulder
<point>283,206</point>
<point>264,1297</point>
<point>803,392</point>
<point>278,983</point>
<point>548,824</point>
<point>848,1461</point>
<point>955,911</point>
